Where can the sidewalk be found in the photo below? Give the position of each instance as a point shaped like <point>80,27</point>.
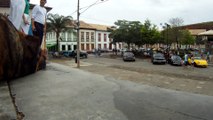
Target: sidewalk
<point>70,62</point>
<point>7,110</point>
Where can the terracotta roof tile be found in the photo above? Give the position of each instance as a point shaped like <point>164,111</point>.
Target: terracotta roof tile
<point>84,25</point>
<point>100,27</point>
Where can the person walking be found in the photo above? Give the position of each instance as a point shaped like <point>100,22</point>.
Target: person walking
<point>16,12</point>
<point>39,14</point>
<point>185,59</point>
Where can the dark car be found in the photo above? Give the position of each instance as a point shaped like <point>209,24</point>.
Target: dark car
<point>73,53</point>
<point>69,53</point>
<point>82,54</point>
<point>158,58</point>
<point>175,60</point>
<point>128,56</point>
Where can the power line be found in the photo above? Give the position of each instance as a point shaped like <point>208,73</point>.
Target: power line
<point>89,6</point>
<point>99,20</point>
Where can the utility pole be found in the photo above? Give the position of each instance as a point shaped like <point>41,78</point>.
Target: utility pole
<point>78,27</point>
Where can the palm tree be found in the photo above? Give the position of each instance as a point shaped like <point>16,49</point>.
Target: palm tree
<point>58,23</point>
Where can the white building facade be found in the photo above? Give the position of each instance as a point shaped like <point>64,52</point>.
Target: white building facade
<point>67,40</point>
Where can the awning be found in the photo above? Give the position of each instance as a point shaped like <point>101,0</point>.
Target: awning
<point>207,33</point>
<point>51,45</point>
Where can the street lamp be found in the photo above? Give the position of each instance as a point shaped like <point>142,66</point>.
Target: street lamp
<point>167,26</point>
<point>167,42</point>
<point>78,27</point>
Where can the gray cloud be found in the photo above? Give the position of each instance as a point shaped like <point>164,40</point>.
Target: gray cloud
<point>158,11</point>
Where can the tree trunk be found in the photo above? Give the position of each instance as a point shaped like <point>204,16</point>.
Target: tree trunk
<point>57,42</point>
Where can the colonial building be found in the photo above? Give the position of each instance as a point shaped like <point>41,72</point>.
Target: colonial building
<point>199,28</point>
<point>102,38</point>
<point>86,36</point>
<point>91,36</point>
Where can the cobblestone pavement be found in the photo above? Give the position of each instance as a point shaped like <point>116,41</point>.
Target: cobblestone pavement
<point>189,79</point>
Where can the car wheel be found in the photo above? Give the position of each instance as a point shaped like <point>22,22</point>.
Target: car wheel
<point>195,65</point>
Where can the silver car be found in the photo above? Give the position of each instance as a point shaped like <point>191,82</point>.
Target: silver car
<point>158,58</point>
<point>128,56</point>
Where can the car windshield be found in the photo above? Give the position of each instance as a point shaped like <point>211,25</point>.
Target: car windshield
<point>128,53</point>
<point>158,55</point>
<point>197,58</point>
<point>177,57</point>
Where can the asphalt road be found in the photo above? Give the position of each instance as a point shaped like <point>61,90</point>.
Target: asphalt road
<point>65,93</point>
<point>180,78</point>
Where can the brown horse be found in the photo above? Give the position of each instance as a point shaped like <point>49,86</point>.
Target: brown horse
<point>18,53</point>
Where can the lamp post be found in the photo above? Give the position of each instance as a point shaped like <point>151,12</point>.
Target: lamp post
<point>167,26</point>
<point>167,35</point>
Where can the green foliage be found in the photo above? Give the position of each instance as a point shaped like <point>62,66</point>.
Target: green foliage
<point>150,34</point>
<point>135,32</point>
<point>58,23</point>
<point>187,38</point>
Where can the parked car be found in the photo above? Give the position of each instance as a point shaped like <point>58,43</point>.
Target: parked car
<point>175,60</point>
<point>73,53</point>
<point>158,58</point>
<point>69,53</point>
<point>83,54</point>
<point>197,61</point>
<point>128,56</point>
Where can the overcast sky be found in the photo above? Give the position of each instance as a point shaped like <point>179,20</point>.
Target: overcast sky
<point>157,11</point>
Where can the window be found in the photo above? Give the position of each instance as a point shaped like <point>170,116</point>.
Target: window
<point>87,36</point>
<point>69,47</point>
<point>110,46</point>
<point>99,37</point>
<point>105,37</point>
<point>87,46</point>
<point>105,46</point>
<point>82,46</point>
<point>69,36</point>
<point>92,37</point>
<point>63,47</point>
<point>63,37</point>
<point>92,46</point>
<point>99,46</point>
<point>82,36</point>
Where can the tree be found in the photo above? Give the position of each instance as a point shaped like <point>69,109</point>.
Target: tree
<point>175,29</point>
<point>58,23</point>
<point>187,38</point>
<point>149,33</point>
<point>127,31</point>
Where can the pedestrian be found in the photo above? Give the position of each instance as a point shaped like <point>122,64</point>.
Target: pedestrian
<point>16,12</point>
<point>207,57</point>
<point>39,14</point>
<point>185,59</point>
<point>25,24</point>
